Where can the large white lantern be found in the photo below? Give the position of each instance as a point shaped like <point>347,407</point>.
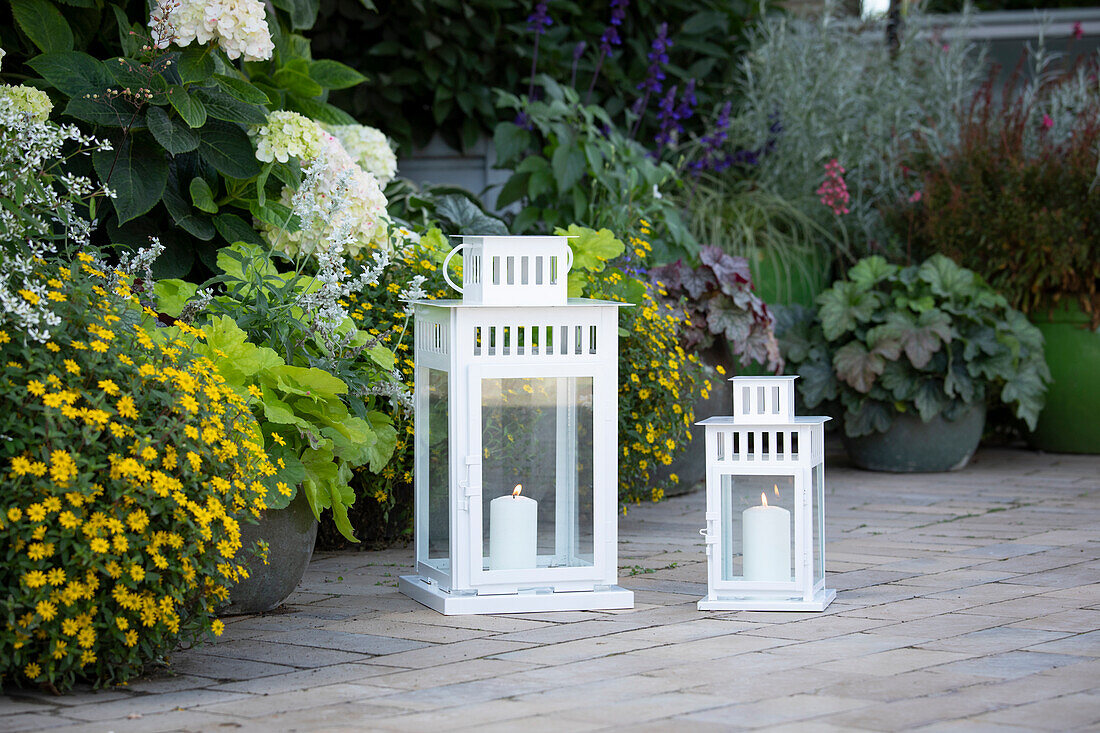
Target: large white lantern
<point>516,431</point>
<point>765,533</point>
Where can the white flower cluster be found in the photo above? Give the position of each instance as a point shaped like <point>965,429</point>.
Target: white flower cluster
<point>369,148</point>
<point>238,26</point>
<point>28,100</point>
<point>30,148</point>
<point>340,207</point>
<point>285,135</point>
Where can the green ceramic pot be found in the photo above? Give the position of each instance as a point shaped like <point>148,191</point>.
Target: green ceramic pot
<point>1070,421</point>
<point>914,446</point>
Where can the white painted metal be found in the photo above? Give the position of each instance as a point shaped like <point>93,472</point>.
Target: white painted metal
<point>763,438</point>
<point>505,329</point>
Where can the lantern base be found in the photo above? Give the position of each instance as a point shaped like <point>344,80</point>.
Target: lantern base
<point>818,603</point>
<point>453,604</point>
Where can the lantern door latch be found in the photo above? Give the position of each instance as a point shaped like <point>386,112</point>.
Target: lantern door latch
<point>472,485</point>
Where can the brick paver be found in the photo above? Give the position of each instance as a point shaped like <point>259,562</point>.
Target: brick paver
<point>966,601</point>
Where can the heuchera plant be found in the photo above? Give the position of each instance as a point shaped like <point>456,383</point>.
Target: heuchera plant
<point>721,305</point>
<point>932,339</point>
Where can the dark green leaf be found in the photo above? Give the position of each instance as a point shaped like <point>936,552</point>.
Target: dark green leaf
<point>103,111</point>
<point>467,217</point>
<point>171,133</point>
<point>298,83</point>
<point>227,148</point>
<point>73,73</point>
<point>189,108</point>
<point>183,215</point>
<point>234,229</point>
<point>137,172</point>
<point>870,271</point>
<point>241,90</point>
<point>843,306</point>
<point>930,399</point>
<point>201,195</point>
<point>510,141</point>
<point>43,24</point>
<point>569,166</point>
<point>869,417</point>
<point>195,64</point>
<point>221,106</point>
<point>334,75</point>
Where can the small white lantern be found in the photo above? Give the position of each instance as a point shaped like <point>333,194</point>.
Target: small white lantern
<point>765,533</point>
<point>516,474</point>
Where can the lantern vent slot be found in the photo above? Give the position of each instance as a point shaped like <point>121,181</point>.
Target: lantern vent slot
<point>591,339</point>
<point>496,270</point>
<point>477,340</point>
<point>553,269</point>
<point>523,265</point>
<point>511,268</point>
<point>432,337</point>
<point>794,446</point>
<point>472,271</point>
<point>538,270</point>
<point>720,447</point>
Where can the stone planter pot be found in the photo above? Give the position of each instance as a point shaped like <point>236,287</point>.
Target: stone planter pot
<point>1068,421</point>
<point>914,446</point>
<point>290,533</point>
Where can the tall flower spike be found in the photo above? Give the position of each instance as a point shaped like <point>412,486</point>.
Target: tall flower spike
<point>539,21</point>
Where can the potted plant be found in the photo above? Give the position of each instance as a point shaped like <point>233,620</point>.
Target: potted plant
<point>1015,199</point>
<point>913,355</point>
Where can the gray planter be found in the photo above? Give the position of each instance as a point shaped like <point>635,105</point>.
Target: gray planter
<point>290,533</point>
<point>914,446</point>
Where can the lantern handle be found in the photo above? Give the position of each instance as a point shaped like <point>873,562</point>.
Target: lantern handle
<point>568,258</point>
<point>446,262</point>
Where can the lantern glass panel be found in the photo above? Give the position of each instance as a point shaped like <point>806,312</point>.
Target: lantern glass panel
<point>537,433</point>
<point>817,504</point>
<point>436,465</point>
<point>758,528</point>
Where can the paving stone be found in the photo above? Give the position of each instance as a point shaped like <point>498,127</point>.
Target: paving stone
<point>148,704</point>
<point>304,679</point>
<point>333,639</point>
<point>994,640</point>
<point>1079,711</point>
<point>437,654</point>
<point>778,711</point>
<point>224,668</point>
<point>289,654</point>
<point>1012,664</point>
<point>13,721</point>
<point>1075,620</point>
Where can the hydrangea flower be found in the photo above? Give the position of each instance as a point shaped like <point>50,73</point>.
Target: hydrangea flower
<point>287,134</point>
<point>238,26</point>
<point>340,206</point>
<point>368,147</point>
<point>28,100</point>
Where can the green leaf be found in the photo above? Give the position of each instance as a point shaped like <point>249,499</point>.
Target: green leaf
<point>514,189</point>
<point>467,216</point>
<point>930,399</point>
<point>946,278</point>
<point>241,90</point>
<point>857,367</point>
<point>932,331</point>
<point>173,136</point>
<point>73,73</point>
<point>592,249</point>
<point>183,214</point>
<point>319,111</point>
<point>569,165</point>
<point>817,383</point>
<point>297,83</point>
<point>195,64</point>
<point>334,75</point>
<point>239,361</point>
<point>869,417</point>
<point>245,262</point>
<point>138,174</point>
<point>43,24</point>
<point>221,106</point>
<point>172,294</point>
<point>843,306</point>
<point>189,108</point>
<point>1027,390</point>
<point>102,111</point>
<point>201,195</point>
<point>233,229</point>
<point>317,384</point>
<point>510,141</point>
<point>228,150</point>
<point>870,271</point>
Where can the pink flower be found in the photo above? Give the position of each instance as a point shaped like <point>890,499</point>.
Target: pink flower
<point>1047,123</point>
<point>915,197</point>
<point>1078,31</point>
<point>834,191</point>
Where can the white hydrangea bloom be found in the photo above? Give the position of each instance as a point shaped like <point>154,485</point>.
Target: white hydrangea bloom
<point>287,134</point>
<point>3,53</point>
<point>238,26</point>
<point>369,148</point>
<point>340,205</point>
<point>28,100</point>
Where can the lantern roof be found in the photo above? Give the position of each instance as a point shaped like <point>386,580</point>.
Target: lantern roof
<point>570,302</point>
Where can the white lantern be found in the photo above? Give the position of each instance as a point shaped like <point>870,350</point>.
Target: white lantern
<point>516,474</point>
<point>765,533</point>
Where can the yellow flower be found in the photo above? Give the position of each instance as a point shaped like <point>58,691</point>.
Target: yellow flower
<point>100,545</point>
<point>108,387</point>
<point>34,579</point>
<point>71,367</point>
<point>218,627</point>
<point>255,391</point>
<point>720,369</point>
<point>126,407</point>
<point>46,610</point>
<point>36,388</point>
<point>32,670</point>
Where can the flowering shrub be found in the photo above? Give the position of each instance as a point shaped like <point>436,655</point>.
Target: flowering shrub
<point>1016,199</point>
<point>128,468</point>
<point>238,26</point>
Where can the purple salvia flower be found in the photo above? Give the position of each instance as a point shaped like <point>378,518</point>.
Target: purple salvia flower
<point>610,35</point>
<point>686,108</point>
<point>539,21</point>
<point>658,56</point>
<point>666,115</point>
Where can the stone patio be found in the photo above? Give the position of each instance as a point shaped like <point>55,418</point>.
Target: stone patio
<point>966,601</point>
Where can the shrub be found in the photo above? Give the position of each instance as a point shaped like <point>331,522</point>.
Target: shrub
<point>931,339</point>
<point>128,470</point>
<point>1017,198</point>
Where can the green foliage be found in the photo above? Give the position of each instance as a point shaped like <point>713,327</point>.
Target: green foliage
<point>317,406</point>
<point>435,64</point>
<point>177,118</point>
<point>933,338</point>
<point>1017,198</point>
<point>128,469</point>
<point>575,166</point>
<point>821,90</point>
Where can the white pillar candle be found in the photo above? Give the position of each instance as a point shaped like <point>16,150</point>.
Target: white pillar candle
<point>766,542</point>
<point>513,527</point>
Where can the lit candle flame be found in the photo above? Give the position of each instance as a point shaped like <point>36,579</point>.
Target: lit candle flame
<point>777,489</point>
<point>763,499</point>
<point>516,491</point>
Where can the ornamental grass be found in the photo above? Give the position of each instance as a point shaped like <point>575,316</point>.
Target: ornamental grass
<point>129,466</point>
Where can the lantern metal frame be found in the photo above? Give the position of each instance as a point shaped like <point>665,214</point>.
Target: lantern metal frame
<point>764,438</point>
<point>514,321</point>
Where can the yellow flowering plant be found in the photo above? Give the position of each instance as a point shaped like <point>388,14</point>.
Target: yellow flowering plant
<point>129,466</point>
